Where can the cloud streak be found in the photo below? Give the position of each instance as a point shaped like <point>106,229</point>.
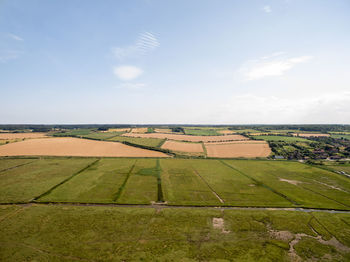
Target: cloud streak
<point>267,9</point>
<point>270,66</point>
<point>145,43</point>
<point>127,73</point>
<point>15,37</point>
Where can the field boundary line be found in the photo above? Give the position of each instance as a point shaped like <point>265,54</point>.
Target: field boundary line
<point>318,193</point>
<point>121,188</point>
<point>116,205</point>
<point>204,150</point>
<point>261,183</point>
<point>13,167</point>
<point>64,181</point>
<point>212,190</point>
<point>160,195</point>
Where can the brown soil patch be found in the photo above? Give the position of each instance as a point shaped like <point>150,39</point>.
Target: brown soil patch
<point>311,135</point>
<point>141,130</point>
<point>227,132</point>
<point>69,146</point>
<point>218,223</point>
<point>118,130</point>
<point>21,135</point>
<point>189,137</point>
<point>282,235</point>
<point>293,182</point>
<point>244,149</point>
<point>183,146</point>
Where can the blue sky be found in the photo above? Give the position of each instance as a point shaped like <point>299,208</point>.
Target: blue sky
<point>191,62</point>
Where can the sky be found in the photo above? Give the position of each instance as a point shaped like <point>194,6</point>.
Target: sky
<point>175,62</point>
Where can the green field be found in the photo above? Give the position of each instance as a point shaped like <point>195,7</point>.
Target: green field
<point>186,223</point>
<point>200,182</point>
<point>347,136</point>
<point>97,233</point>
<point>27,182</point>
<point>74,132</point>
<point>151,142</point>
<point>201,131</point>
<point>102,135</point>
<point>281,138</point>
<point>303,185</point>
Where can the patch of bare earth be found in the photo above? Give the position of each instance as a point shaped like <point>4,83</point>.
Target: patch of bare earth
<point>9,136</point>
<point>69,146</point>
<point>293,182</point>
<point>189,137</point>
<point>218,223</point>
<point>249,149</point>
<point>183,146</point>
<point>141,130</point>
<point>311,135</point>
<point>293,239</point>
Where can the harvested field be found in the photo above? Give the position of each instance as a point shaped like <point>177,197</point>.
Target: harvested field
<point>311,135</point>
<point>183,146</point>
<point>21,135</point>
<point>163,130</point>
<point>74,147</point>
<point>189,137</point>
<point>141,130</point>
<point>227,132</point>
<point>236,149</point>
<point>118,130</point>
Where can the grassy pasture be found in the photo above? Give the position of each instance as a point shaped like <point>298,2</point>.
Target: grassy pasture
<point>66,233</point>
<point>347,136</point>
<point>201,132</point>
<point>282,138</point>
<point>233,187</point>
<point>97,184</point>
<point>26,182</point>
<point>11,163</point>
<point>152,142</point>
<point>142,185</point>
<point>305,185</point>
<point>102,135</point>
<point>74,132</point>
<point>182,186</point>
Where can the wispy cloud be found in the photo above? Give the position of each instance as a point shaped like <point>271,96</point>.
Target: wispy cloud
<point>127,72</point>
<point>6,55</point>
<point>272,65</point>
<point>15,37</point>
<point>145,43</point>
<point>267,9</point>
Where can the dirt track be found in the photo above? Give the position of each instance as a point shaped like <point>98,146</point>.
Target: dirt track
<point>189,137</point>
<point>238,149</point>
<point>74,147</point>
<point>183,146</point>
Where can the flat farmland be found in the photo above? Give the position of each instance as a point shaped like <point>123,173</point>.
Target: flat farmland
<point>102,233</point>
<point>281,138</point>
<point>303,185</point>
<point>26,182</point>
<point>9,136</point>
<point>233,188</point>
<point>248,149</point>
<point>152,142</point>
<point>311,135</point>
<point>189,138</point>
<point>182,186</point>
<point>12,163</point>
<point>74,147</point>
<point>183,146</point>
<point>141,187</point>
<point>97,184</point>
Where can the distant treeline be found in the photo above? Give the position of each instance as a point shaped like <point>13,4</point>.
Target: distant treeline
<point>179,128</point>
